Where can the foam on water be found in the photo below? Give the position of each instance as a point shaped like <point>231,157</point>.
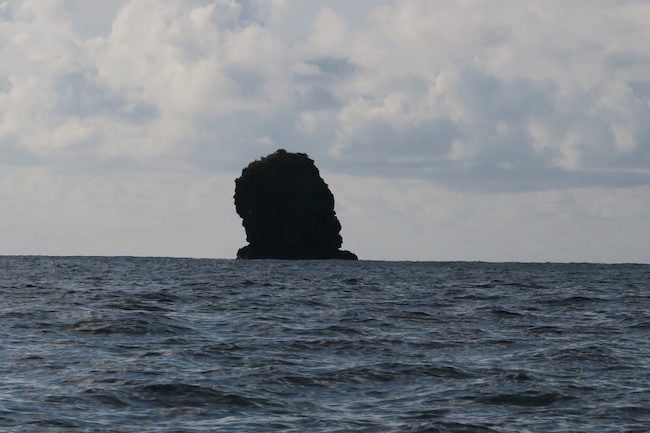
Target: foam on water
<point>158,344</point>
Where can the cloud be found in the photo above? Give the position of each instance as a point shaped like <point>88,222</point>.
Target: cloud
<point>521,99</point>
<point>524,90</point>
<point>411,219</point>
<point>6,14</point>
<point>453,90</point>
<point>135,213</point>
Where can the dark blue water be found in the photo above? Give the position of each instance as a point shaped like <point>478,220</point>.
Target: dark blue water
<point>180,345</point>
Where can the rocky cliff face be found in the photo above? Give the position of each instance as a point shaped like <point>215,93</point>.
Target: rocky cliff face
<point>287,210</point>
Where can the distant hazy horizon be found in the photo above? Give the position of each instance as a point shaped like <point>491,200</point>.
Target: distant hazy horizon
<point>491,130</point>
<point>279,261</point>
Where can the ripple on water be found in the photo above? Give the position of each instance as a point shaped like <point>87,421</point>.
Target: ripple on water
<point>530,398</point>
<point>156,344</point>
<point>191,395</point>
<point>137,324</point>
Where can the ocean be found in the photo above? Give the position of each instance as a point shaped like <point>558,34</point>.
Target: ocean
<point>122,344</point>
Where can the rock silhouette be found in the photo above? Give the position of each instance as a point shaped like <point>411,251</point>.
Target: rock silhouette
<point>287,210</point>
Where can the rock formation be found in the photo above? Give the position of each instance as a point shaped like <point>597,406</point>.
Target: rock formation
<point>287,210</point>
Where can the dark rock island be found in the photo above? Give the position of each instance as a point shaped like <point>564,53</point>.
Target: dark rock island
<point>287,210</point>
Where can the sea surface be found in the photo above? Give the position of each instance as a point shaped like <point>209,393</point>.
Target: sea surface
<point>95,344</point>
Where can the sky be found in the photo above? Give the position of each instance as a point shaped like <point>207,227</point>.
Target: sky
<point>495,130</point>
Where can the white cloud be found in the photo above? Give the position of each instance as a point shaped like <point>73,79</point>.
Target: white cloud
<point>464,97</point>
<point>406,220</point>
<point>519,85</point>
<point>130,214</point>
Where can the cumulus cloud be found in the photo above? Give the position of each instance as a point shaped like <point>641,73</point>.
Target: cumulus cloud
<point>514,89</point>
<point>499,95</point>
<point>425,89</point>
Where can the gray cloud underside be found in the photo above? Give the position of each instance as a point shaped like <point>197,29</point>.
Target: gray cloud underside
<point>485,95</point>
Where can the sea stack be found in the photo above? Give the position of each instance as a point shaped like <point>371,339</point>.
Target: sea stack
<point>287,210</point>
